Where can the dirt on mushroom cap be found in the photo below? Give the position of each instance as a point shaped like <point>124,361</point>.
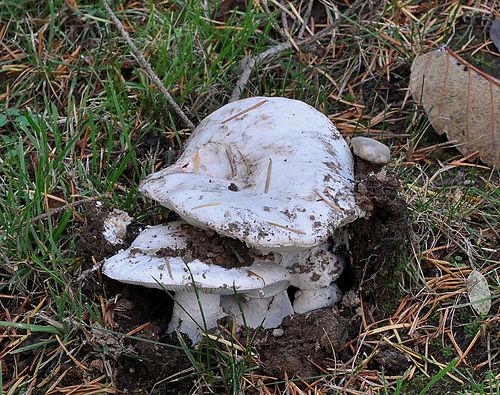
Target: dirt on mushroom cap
<point>211,248</point>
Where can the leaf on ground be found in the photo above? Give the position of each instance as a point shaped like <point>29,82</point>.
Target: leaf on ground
<point>460,101</point>
<point>495,32</point>
<point>479,292</point>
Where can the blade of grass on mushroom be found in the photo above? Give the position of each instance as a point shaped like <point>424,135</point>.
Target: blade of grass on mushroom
<point>328,201</point>
<point>244,111</point>
<point>268,176</point>
<point>207,205</point>
<point>286,228</point>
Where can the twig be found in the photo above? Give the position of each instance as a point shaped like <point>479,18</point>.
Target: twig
<point>248,63</point>
<point>147,68</point>
<point>306,17</point>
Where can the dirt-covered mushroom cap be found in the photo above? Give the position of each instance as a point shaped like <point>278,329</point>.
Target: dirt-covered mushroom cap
<point>152,261</point>
<point>272,172</point>
<point>141,264</point>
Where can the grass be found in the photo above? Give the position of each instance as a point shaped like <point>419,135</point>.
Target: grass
<point>79,120</point>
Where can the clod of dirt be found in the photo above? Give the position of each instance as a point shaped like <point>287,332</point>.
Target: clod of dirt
<point>140,366</point>
<point>146,371</point>
<point>92,240</point>
<point>305,338</point>
<point>376,242</point>
<point>211,248</point>
<point>391,360</point>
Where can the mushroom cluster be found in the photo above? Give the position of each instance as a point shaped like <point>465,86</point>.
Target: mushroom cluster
<point>271,174</point>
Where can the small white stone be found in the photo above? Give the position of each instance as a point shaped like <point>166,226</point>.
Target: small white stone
<point>370,150</point>
<point>350,299</point>
<point>278,332</point>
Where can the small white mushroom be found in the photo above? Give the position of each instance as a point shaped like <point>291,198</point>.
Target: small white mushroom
<point>115,226</point>
<point>197,285</point>
<point>315,269</point>
<point>371,150</point>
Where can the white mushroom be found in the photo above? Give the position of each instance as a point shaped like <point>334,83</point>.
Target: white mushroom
<point>309,300</point>
<point>274,173</point>
<point>371,150</point>
<point>315,269</point>
<point>313,274</point>
<point>151,261</point>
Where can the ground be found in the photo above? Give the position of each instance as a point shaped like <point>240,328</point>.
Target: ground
<point>81,122</point>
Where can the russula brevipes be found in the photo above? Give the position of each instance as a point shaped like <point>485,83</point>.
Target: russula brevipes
<point>272,172</point>
<point>275,174</point>
<point>155,260</point>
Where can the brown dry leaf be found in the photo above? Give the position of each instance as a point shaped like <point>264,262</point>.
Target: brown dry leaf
<point>460,101</point>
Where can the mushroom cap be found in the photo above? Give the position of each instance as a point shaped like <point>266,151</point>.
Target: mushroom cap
<point>141,265</point>
<point>272,172</point>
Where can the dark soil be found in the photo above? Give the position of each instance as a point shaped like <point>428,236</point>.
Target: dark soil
<point>147,369</point>
<point>377,243</point>
<point>307,340</point>
<point>141,366</point>
<point>210,247</point>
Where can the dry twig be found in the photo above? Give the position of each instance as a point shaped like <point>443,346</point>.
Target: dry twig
<point>69,206</point>
<point>248,63</point>
<point>147,68</point>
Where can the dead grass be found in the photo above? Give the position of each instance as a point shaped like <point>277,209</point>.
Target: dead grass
<point>79,119</point>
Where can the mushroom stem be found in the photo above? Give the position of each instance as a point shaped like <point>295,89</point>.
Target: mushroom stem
<point>194,311</point>
<point>255,312</point>
<point>309,300</point>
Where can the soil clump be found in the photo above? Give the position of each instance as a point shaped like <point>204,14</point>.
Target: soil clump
<point>302,344</point>
<point>377,243</point>
<point>210,247</point>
